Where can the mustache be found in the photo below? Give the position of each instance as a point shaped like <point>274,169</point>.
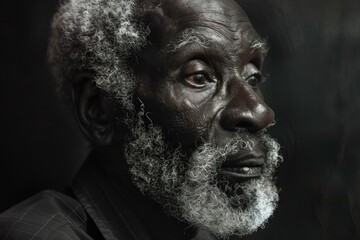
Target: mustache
<point>239,145</point>
<point>244,142</point>
<point>244,137</point>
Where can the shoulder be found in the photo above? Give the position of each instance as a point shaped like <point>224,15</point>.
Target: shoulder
<point>47,215</point>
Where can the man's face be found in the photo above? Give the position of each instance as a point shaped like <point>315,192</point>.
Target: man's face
<point>200,78</point>
<point>203,153</point>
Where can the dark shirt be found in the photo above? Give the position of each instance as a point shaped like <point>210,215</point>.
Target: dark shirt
<point>47,215</point>
<point>102,206</point>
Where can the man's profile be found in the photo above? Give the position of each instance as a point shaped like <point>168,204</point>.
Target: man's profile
<point>168,94</point>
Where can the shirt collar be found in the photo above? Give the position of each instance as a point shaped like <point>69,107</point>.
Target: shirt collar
<point>94,187</point>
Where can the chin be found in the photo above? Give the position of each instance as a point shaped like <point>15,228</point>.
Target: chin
<point>234,207</point>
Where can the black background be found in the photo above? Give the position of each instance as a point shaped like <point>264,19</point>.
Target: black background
<point>314,68</point>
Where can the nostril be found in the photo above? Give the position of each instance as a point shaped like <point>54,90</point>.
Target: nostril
<point>234,120</point>
<point>249,127</point>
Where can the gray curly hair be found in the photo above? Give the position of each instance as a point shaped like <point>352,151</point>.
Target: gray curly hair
<point>101,37</point>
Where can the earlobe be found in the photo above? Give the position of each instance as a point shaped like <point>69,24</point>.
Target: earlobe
<point>92,110</point>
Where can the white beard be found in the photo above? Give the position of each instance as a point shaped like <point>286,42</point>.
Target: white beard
<point>187,187</point>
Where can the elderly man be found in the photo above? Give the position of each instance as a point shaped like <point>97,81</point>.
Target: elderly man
<point>168,94</point>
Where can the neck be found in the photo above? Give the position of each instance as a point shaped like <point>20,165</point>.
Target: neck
<point>155,221</point>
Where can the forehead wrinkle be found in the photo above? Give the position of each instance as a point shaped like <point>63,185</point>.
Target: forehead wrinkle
<point>190,35</point>
<point>242,35</point>
<point>218,24</point>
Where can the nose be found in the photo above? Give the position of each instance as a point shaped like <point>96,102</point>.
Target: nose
<point>245,110</point>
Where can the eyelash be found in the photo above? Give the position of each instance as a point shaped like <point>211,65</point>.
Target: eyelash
<point>260,78</point>
<point>193,84</point>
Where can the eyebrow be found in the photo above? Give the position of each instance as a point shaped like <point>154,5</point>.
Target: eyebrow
<point>260,44</point>
<point>188,36</point>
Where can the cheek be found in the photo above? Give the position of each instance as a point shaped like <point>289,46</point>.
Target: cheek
<point>185,121</point>
<point>185,124</point>
<point>184,114</point>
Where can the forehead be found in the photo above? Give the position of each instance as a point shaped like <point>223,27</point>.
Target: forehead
<point>217,10</point>
<point>209,18</point>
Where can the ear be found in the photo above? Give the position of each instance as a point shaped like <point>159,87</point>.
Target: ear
<point>93,110</point>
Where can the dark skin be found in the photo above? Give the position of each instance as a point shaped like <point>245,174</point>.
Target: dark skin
<point>201,91</point>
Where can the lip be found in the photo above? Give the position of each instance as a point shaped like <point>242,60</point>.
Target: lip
<point>247,161</point>
<point>241,168</point>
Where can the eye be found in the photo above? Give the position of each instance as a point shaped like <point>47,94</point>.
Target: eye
<point>198,80</point>
<point>255,79</point>
<point>197,74</point>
